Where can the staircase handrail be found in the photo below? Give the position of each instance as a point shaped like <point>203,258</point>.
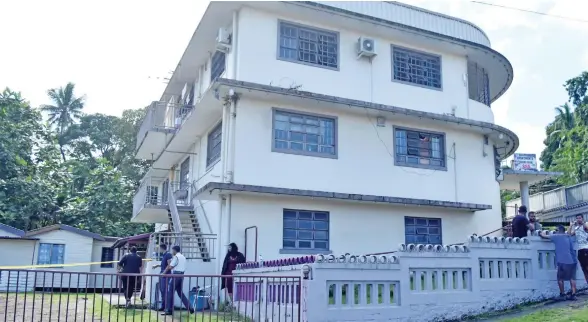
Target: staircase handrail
<point>173,208</point>
<point>201,204</point>
<point>205,216</point>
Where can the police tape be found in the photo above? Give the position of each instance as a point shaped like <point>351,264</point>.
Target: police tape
<point>61,265</point>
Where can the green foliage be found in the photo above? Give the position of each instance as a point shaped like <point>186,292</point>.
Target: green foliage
<point>78,169</point>
<point>566,145</point>
<point>566,142</point>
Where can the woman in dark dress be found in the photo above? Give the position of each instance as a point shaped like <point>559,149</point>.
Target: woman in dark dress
<point>232,258</point>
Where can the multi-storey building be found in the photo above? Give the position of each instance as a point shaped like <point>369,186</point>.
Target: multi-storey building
<point>318,127</point>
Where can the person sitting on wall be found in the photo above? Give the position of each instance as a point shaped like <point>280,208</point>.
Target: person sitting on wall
<point>565,257</point>
<point>533,221</point>
<point>580,230</point>
<point>232,258</point>
<point>520,223</point>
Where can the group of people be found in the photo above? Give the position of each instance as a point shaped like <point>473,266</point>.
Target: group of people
<point>172,267</point>
<point>566,256</point>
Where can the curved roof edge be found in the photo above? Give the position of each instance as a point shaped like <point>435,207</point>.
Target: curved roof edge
<point>441,15</point>
<point>474,45</point>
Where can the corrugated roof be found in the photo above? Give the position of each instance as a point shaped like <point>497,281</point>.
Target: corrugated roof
<point>12,230</point>
<point>66,228</point>
<point>18,238</point>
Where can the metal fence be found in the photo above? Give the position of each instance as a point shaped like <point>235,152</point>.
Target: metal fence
<point>47,295</point>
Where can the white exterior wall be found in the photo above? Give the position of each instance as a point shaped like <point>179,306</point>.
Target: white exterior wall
<point>418,283</point>
<point>356,228</point>
<point>364,164</point>
<point>355,79</point>
<point>16,252</point>
<point>78,249</point>
<point>102,281</point>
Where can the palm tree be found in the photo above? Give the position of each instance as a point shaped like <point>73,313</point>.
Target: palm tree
<point>65,111</point>
<point>565,117</point>
<point>564,121</point>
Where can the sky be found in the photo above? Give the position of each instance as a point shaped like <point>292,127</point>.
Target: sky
<point>119,52</point>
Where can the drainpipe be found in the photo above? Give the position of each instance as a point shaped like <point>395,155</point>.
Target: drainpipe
<point>232,121</point>
<point>229,170</point>
<point>235,40</point>
<point>224,142</point>
<point>219,253</point>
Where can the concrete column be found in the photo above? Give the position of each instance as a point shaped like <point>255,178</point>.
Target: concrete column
<point>524,188</point>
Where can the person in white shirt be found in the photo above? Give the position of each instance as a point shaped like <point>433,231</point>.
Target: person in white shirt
<point>580,229</point>
<point>177,266</point>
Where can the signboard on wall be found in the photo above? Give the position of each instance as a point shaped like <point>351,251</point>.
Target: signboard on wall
<point>525,162</point>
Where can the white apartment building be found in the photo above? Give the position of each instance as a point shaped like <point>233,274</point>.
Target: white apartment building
<point>318,127</point>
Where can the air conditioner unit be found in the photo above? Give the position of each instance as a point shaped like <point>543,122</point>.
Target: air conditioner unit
<point>366,47</point>
<point>223,40</point>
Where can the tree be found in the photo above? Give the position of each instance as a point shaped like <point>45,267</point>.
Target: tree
<point>26,196</point>
<point>89,185</point>
<point>66,109</point>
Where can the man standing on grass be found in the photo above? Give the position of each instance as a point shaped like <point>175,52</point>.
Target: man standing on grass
<point>565,257</point>
<point>177,266</point>
<point>166,258</point>
<point>130,264</point>
<point>580,230</point>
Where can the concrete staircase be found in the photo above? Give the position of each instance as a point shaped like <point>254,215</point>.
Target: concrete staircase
<point>193,246</point>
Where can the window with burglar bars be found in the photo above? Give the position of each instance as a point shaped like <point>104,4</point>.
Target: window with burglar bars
<point>420,149</point>
<point>214,145</point>
<point>415,67</point>
<point>107,256</point>
<point>308,45</point>
<point>306,230</point>
<point>422,230</point>
<point>478,84</point>
<point>304,134</point>
<point>217,65</point>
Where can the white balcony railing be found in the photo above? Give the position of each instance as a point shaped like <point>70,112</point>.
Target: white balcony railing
<point>162,116</point>
<point>561,197</point>
<point>155,191</point>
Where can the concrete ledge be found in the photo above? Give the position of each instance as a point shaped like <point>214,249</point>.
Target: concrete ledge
<point>221,187</point>
<point>223,84</point>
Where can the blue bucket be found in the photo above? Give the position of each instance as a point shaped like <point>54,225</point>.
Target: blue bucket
<point>199,301</point>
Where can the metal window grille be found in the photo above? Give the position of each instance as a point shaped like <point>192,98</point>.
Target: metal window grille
<point>416,67</point>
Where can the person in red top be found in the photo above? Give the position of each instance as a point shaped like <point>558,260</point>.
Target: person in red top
<point>232,258</point>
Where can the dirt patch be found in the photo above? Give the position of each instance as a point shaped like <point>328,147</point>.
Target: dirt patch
<point>46,307</point>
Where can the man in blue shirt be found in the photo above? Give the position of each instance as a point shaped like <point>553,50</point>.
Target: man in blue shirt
<point>166,258</point>
<point>520,223</point>
<point>565,257</point>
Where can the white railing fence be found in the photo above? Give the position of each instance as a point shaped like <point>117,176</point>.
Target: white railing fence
<point>553,199</point>
<point>425,282</point>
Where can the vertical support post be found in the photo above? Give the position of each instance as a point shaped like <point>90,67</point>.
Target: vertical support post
<point>524,186</point>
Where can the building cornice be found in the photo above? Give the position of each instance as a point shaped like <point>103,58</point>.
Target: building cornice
<point>220,187</point>
<point>508,136</point>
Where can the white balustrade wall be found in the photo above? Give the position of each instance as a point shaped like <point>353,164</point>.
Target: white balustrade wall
<point>417,283</point>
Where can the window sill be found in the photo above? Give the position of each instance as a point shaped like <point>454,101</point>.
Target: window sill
<point>211,166</point>
<point>418,166</point>
<point>305,251</point>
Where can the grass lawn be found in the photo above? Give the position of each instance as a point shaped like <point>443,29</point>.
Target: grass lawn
<point>90,307</point>
<point>575,311</point>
